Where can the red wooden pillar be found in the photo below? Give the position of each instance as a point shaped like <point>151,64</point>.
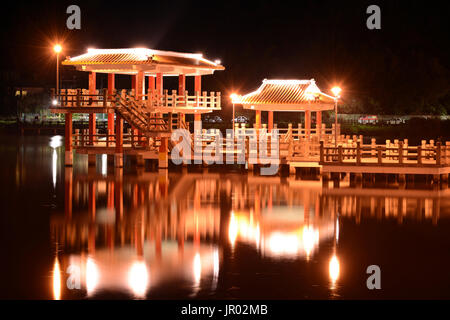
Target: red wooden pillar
<point>270,120</point>
<point>111,87</point>
<point>181,90</point>
<point>319,123</point>
<point>258,119</point>
<point>198,91</point>
<point>307,123</point>
<point>163,156</point>
<point>159,83</point>
<point>151,84</point>
<point>119,142</point>
<point>134,86</point>
<point>68,140</point>
<point>92,116</point>
<point>140,91</point>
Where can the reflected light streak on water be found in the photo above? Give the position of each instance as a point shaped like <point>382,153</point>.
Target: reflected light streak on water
<point>138,279</point>
<point>92,276</point>
<point>104,164</point>
<point>334,270</point>
<point>56,280</point>
<point>54,167</point>
<point>55,142</point>
<point>197,268</point>
<point>215,268</point>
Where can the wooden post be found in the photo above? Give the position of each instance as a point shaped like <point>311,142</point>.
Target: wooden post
<point>119,142</point>
<point>111,88</point>
<point>198,89</point>
<point>182,92</point>
<point>270,120</point>
<point>322,158</point>
<point>358,152</point>
<point>319,123</point>
<point>92,116</point>
<point>257,119</point>
<point>307,124</point>
<point>140,92</point>
<point>400,152</point>
<point>380,154</point>
<point>438,153</point>
<point>163,156</point>
<point>68,139</point>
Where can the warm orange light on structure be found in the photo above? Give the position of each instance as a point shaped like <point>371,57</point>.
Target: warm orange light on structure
<point>336,91</point>
<point>57,48</point>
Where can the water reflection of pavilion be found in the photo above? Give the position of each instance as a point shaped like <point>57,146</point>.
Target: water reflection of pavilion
<point>138,233</point>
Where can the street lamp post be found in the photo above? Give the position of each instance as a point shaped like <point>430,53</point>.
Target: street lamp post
<point>57,48</point>
<point>233,97</point>
<point>336,91</point>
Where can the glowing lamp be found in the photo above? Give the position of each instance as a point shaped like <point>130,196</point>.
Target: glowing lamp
<point>57,48</point>
<point>234,97</point>
<point>336,91</point>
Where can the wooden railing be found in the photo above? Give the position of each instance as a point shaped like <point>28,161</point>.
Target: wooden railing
<point>103,98</point>
<point>82,98</point>
<point>174,100</point>
<point>438,154</point>
<point>81,138</point>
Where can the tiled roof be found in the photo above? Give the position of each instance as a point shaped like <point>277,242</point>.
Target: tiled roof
<point>139,56</point>
<point>286,92</point>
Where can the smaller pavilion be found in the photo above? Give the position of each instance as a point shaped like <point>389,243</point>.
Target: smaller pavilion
<point>288,95</point>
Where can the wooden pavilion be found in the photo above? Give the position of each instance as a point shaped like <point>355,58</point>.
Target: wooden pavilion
<point>288,95</point>
<point>152,112</point>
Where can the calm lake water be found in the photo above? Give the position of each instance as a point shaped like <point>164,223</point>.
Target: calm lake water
<point>209,234</point>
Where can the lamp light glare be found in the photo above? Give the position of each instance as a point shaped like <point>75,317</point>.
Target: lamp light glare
<point>57,48</point>
<point>336,91</point>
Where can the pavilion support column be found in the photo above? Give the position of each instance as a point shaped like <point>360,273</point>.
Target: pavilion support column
<point>68,140</point>
<point>134,131</point>
<point>118,153</point>
<point>308,124</point>
<point>140,91</point>
<point>92,116</point>
<point>159,91</point>
<point>159,83</point>
<point>198,92</point>
<point>163,156</point>
<point>111,87</point>
<point>319,124</point>
<point>270,120</point>
<point>258,119</point>
<point>181,91</point>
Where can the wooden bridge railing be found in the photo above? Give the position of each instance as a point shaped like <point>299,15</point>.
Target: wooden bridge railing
<point>102,98</point>
<point>81,139</point>
<point>82,98</point>
<point>400,154</point>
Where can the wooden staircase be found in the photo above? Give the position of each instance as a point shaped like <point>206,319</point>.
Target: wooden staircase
<point>134,112</point>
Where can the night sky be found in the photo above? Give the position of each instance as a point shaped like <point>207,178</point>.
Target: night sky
<point>403,67</point>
